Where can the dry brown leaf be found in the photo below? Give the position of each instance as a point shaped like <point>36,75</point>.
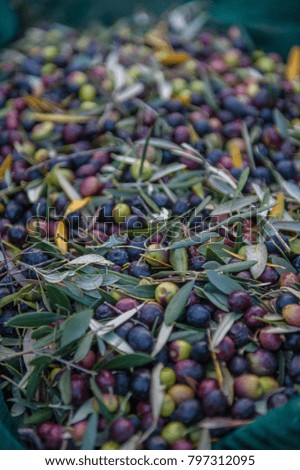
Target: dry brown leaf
<point>5,165</point>
<point>292,69</point>
<point>61,236</point>
<point>76,205</point>
<point>278,210</point>
<point>235,155</point>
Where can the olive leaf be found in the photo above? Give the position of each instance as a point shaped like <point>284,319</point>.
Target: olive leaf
<point>223,283</point>
<point>223,328</point>
<point>64,386</point>
<point>156,399</point>
<point>33,319</point>
<point>162,338</point>
<point>258,253</point>
<point>90,435</point>
<point>89,259</point>
<point>178,302</point>
<point>127,361</point>
<point>75,327</point>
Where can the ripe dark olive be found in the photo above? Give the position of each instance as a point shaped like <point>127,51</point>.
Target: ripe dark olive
<point>121,430</point>
<point>285,299</point>
<point>51,434</point>
<point>239,301</point>
<point>151,313</point>
<point>181,444</point>
<point>214,404</point>
<point>188,369</point>
<point>294,368</point>
<point>34,257</point>
<point>103,312</point>
<point>118,256</point>
<point>238,365</point>
<point>269,276</point>
<point>140,339</point>
<point>270,341</point>
<point>244,408</point>
<point>79,389</point>
<point>206,387</point>
<point>136,248</point>
<point>226,349</point>
<point>198,316</point>
<point>253,315</point>
<point>262,362</point>
<point>126,304</point>
<point>239,333</point>
<point>105,380</point>
<point>188,412</point>
<point>276,400</point>
<point>140,384</point>
<point>139,269</point>
<point>156,442</point>
<point>200,351</point>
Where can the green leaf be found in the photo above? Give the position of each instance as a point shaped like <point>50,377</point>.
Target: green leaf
<point>75,327</point>
<point>235,205</point>
<point>258,253</point>
<point>223,328</point>
<point>15,296</point>
<point>283,265</point>
<point>242,181</point>
<point>83,412</point>
<point>89,259</point>
<point>193,240</point>
<point>117,342</point>
<point>144,154</point>
<point>223,283</point>
<point>239,237</point>
<point>237,267</point>
<point>33,383</point>
<point>41,332</point>
<point>178,302</point>
<point>33,320</point>
<point>179,256</point>
<point>84,347</point>
<point>89,282</point>
<point>162,338</point>
<point>289,226</point>
<point>282,123</point>
<point>291,188</point>
<point>65,387</point>
<point>139,292</point>
<point>57,298</point>
<point>89,438</point>
<point>216,297</point>
<point>246,137</point>
<point>82,299</point>
<point>212,255</point>
<point>38,417</point>
<point>127,361</point>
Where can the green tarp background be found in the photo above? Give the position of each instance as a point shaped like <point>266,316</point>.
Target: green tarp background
<point>274,25</point>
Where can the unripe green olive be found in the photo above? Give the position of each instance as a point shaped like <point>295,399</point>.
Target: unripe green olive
<point>165,292</point>
<point>120,212</point>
